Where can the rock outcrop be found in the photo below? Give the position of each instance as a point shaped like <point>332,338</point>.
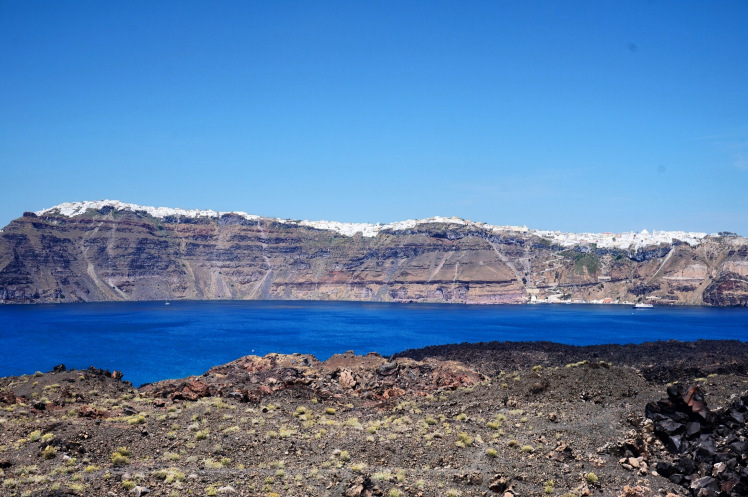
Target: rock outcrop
<point>119,252</point>
<point>370,377</point>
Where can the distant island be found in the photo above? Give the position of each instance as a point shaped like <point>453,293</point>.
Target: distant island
<point>113,251</point>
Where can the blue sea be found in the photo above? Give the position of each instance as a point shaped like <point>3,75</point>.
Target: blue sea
<point>150,341</point>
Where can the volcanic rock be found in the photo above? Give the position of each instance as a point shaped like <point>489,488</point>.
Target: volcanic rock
<point>114,252</point>
<point>706,444</point>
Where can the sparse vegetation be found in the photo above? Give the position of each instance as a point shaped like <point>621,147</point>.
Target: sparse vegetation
<point>453,439</point>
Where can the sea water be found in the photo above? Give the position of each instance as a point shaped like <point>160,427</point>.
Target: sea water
<point>150,341</point>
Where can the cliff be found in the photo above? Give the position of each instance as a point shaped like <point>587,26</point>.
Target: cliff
<point>108,251</point>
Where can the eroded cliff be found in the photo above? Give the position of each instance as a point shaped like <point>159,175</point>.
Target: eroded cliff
<point>112,253</point>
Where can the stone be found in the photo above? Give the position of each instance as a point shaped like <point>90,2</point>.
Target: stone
<point>138,491</point>
<point>87,411</point>
<point>718,469</point>
<point>393,392</point>
<point>704,482</point>
<point>637,491</point>
<point>355,490</point>
<point>676,478</point>
<point>7,397</point>
<point>739,448</point>
<point>686,466</point>
<point>498,484</point>
<point>737,417</point>
<point>669,426</point>
<point>707,449</point>
<point>192,390</point>
<point>346,379</point>
<point>692,429</point>
<point>387,369</point>
<point>673,444</point>
<point>665,469</point>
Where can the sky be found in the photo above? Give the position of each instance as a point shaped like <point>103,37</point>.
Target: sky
<point>589,116</point>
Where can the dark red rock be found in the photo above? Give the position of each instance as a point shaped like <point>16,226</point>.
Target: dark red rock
<point>7,397</point>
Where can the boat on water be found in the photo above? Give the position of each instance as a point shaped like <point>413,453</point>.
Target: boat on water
<point>167,303</point>
<point>642,305</point>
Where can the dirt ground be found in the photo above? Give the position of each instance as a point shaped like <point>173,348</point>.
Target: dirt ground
<point>482,419</point>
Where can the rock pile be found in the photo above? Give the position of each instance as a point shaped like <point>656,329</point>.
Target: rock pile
<point>370,377</point>
<point>707,451</point>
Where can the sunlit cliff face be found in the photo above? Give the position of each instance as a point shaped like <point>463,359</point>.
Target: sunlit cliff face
<point>108,250</point>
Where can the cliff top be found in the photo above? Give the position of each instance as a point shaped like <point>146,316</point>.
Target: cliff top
<point>626,240</point>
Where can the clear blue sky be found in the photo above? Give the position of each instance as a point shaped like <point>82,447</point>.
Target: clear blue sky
<point>578,116</point>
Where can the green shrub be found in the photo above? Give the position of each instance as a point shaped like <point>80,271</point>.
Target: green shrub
<point>136,419</point>
<point>124,451</point>
<point>49,452</point>
<point>121,457</point>
<point>465,439</point>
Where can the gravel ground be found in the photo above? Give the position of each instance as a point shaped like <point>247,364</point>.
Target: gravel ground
<point>285,426</point>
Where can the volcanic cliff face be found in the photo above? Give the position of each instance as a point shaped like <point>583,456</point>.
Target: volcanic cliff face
<point>111,252</point>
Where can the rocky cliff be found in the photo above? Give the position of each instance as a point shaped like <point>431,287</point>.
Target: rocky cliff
<point>106,251</point>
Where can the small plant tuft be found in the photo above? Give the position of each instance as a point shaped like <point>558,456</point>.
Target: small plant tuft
<point>49,452</point>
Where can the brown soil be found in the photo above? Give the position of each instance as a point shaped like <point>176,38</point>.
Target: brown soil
<point>529,419</point>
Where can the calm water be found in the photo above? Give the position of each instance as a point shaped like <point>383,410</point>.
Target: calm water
<point>149,341</point>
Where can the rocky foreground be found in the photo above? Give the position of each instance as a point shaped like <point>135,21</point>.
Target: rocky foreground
<point>505,419</point>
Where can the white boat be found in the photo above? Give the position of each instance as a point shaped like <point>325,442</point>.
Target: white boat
<point>642,305</point>
<point>167,303</point>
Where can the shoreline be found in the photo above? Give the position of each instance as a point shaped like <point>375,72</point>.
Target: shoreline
<point>650,358</point>
<point>418,302</point>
